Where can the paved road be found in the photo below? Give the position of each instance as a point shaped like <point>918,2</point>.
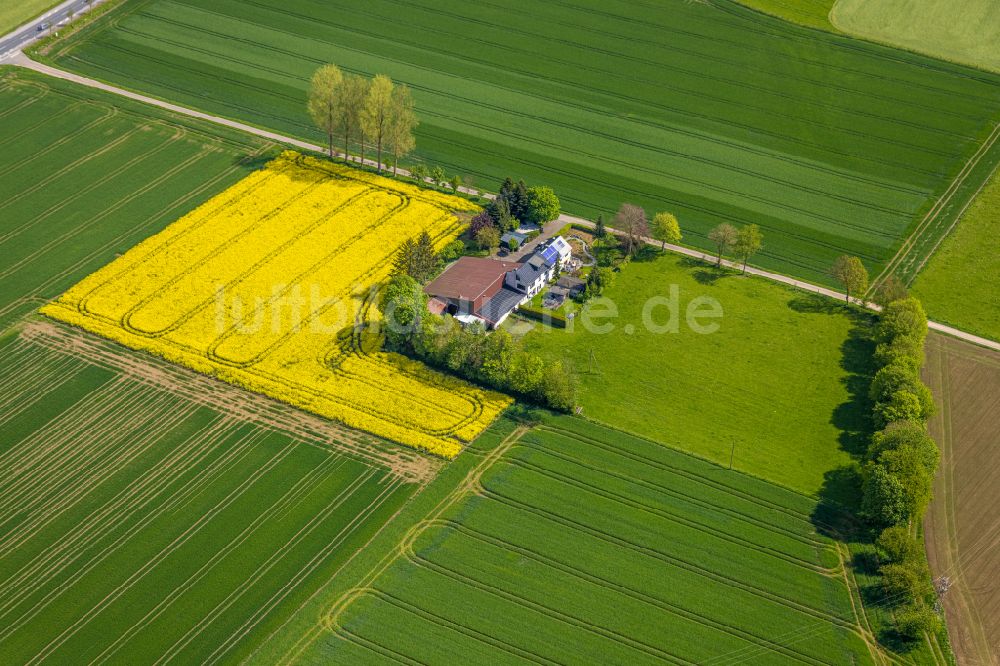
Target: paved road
<point>24,61</point>
<point>20,38</point>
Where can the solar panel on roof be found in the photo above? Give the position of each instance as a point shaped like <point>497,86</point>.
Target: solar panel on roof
<point>551,254</point>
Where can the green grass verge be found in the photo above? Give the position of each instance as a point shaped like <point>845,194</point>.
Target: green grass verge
<point>138,526</point>
<point>961,283</point>
<point>783,378</point>
<point>964,31</point>
<point>711,110</point>
<point>584,544</point>
<point>87,175</point>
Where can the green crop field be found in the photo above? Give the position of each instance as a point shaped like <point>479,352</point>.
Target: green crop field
<point>137,524</point>
<point>573,543</point>
<point>966,31</point>
<point>961,283</point>
<point>85,176</point>
<point>711,110</point>
<point>779,379</point>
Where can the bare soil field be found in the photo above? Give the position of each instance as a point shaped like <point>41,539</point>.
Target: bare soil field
<point>963,525</point>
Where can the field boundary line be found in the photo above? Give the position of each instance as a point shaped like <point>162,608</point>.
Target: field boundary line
<point>909,244</point>
<point>954,223</point>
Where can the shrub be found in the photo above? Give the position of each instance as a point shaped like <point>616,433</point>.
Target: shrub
<point>903,318</point>
<point>906,582</point>
<point>884,499</point>
<point>543,205</point>
<point>916,403</point>
<point>906,349</point>
<point>906,434</point>
<point>896,546</point>
<point>452,251</point>
<point>553,319</point>
<point>891,379</point>
<point>915,619</point>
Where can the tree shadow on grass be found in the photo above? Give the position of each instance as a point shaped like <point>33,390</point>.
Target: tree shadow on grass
<point>836,512</point>
<point>647,253</point>
<point>840,496</point>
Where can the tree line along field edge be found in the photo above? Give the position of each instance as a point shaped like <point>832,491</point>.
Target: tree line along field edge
<point>793,250</point>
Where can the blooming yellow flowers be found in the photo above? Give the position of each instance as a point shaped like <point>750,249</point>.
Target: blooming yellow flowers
<point>270,286</point>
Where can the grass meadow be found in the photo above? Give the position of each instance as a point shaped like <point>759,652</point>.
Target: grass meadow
<point>780,378</point>
<point>960,283</point>
<point>571,542</point>
<point>711,110</point>
<point>965,31</point>
<point>84,177</point>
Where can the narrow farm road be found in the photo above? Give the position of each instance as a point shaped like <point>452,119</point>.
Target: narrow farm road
<point>22,60</point>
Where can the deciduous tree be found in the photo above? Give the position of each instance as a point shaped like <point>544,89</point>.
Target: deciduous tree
<point>724,236</point>
<point>377,112</point>
<point>419,172</point>
<point>403,120</point>
<point>851,273</point>
<point>631,221</point>
<point>325,101</point>
<point>749,241</point>
<point>353,91</point>
<point>665,229</point>
<point>891,289</point>
<point>543,205</point>
<point>487,238</point>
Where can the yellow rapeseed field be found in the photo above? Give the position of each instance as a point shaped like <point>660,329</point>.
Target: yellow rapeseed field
<point>270,286</point>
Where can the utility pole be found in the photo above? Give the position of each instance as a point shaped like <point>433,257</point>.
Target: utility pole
<point>732,453</point>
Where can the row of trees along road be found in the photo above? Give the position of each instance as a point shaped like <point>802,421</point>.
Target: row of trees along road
<point>356,109</point>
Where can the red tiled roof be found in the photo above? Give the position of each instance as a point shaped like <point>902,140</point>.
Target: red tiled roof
<point>468,278</point>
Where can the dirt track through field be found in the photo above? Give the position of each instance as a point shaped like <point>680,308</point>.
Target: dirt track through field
<point>963,524</point>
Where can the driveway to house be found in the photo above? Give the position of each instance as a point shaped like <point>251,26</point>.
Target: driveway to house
<point>547,232</point>
<point>550,229</point>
